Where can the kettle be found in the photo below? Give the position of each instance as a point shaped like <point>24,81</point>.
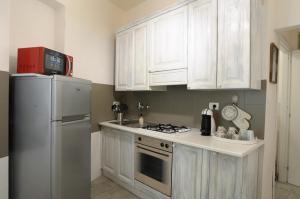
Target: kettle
<point>208,125</point>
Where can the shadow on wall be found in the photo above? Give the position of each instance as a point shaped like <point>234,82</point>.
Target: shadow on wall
<point>183,107</point>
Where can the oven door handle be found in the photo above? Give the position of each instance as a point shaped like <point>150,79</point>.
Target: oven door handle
<point>154,152</point>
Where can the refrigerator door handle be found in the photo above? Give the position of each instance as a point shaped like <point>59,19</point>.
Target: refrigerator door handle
<point>85,119</point>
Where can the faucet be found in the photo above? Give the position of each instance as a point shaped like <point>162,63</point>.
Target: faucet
<point>141,107</point>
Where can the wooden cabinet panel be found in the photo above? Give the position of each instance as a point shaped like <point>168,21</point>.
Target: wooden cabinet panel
<point>202,45</point>
<point>126,157</point>
<point>187,163</point>
<point>234,44</point>
<point>109,152</point>
<point>140,69</point>
<point>168,41</point>
<point>124,61</point>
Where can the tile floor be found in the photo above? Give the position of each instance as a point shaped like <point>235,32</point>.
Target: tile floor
<point>286,191</point>
<point>103,188</point>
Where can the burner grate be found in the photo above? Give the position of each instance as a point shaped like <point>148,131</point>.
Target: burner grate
<point>167,128</point>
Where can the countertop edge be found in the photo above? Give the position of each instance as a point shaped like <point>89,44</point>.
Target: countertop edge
<point>187,143</point>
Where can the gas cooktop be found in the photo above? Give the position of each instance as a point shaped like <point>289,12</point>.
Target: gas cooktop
<point>167,128</point>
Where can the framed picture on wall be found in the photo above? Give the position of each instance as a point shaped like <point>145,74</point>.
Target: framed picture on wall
<point>274,55</point>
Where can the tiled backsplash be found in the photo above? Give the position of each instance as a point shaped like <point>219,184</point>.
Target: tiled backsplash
<point>183,107</point>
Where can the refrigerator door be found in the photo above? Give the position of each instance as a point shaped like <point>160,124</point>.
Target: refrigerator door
<point>71,98</point>
<point>30,138</point>
<point>71,160</point>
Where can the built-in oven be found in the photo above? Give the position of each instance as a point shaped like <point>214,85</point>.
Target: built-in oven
<point>153,163</point>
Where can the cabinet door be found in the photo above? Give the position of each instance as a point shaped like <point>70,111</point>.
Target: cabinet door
<point>124,61</point>
<point>186,172</point>
<point>140,69</point>
<point>168,41</point>
<point>109,152</point>
<point>234,44</point>
<point>126,157</point>
<point>202,45</point>
<point>225,174</point>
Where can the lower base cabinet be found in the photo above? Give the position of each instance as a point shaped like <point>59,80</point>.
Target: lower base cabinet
<point>196,174</point>
<point>202,174</point>
<point>118,155</point>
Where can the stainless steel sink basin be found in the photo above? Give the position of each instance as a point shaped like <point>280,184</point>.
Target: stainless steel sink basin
<point>130,123</point>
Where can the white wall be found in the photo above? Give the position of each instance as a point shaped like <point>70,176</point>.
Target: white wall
<point>287,13</point>
<point>32,23</point>
<point>89,37</point>
<point>96,140</point>
<point>4,34</point>
<point>4,178</point>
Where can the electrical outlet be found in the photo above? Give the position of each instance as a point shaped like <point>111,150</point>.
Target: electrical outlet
<point>214,106</point>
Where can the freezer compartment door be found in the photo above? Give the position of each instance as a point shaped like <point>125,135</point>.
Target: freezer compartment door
<point>71,168</point>
<point>70,98</point>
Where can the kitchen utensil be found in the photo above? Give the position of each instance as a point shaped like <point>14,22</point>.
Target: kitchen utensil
<point>208,125</point>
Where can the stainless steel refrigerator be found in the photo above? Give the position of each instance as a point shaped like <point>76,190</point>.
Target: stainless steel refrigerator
<point>50,138</point>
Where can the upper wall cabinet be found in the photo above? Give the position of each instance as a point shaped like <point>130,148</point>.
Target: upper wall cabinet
<point>239,44</point>
<point>202,44</point>
<point>124,61</point>
<point>206,44</point>
<point>225,36</point>
<point>140,70</point>
<point>131,59</point>
<point>168,41</point>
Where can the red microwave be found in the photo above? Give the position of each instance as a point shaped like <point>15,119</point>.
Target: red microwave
<point>44,61</point>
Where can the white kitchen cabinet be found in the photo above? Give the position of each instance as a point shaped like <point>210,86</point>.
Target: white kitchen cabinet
<point>187,164</point>
<point>124,61</point>
<point>109,152</point>
<point>239,44</point>
<point>118,155</point>
<point>168,41</point>
<point>126,157</point>
<point>202,44</point>
<point>140,66</point>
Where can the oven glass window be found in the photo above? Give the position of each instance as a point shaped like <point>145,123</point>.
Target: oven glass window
<point>152,167</point>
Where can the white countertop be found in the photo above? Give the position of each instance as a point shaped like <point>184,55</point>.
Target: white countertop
<point>193,138</point>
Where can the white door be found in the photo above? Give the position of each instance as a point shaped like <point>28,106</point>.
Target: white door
<point>294,141</point>
<point>109,152</point>
<point>233,43</point>
<point>140,69</point>
<point>125,157</point>
<point>124,61</point>
<point>168,41</point>
<point>202,45</point>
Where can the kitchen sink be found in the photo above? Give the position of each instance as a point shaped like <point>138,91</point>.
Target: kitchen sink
<point>131,123</point>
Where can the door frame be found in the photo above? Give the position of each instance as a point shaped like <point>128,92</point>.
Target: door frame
<point>282,155</point>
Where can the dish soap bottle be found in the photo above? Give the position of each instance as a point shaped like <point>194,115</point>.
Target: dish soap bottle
<point>141,120</point>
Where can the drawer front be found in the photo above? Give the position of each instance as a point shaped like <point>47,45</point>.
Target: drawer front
<point>172,77</point>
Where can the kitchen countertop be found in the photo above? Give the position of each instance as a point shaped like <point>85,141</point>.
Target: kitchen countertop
<point>193,138</point>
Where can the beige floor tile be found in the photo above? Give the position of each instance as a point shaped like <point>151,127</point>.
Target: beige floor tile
<point>103,188</point>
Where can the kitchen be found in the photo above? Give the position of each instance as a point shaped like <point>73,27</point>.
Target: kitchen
<point>176,90</point>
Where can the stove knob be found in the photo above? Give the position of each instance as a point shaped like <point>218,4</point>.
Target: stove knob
<point>140,139</point>
<point>162,144</point>
<point>167,146</point>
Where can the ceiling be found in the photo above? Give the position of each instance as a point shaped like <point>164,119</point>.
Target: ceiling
<point>126,4</point>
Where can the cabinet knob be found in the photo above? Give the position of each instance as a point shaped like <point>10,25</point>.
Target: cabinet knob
<point>162,144</point>
<point>167,146</point>
<point>140,139</point>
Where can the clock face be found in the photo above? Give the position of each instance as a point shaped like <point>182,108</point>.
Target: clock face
<point>229,113</point>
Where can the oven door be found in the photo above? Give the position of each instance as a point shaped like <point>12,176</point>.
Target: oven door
<point>153,167</point>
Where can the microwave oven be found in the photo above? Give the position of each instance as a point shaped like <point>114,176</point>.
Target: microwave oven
<point>44,61</point>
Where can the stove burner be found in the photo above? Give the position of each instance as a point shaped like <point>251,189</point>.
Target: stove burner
<point>167,128</point>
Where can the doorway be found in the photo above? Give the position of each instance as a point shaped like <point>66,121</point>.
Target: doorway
<point>288,148</point>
